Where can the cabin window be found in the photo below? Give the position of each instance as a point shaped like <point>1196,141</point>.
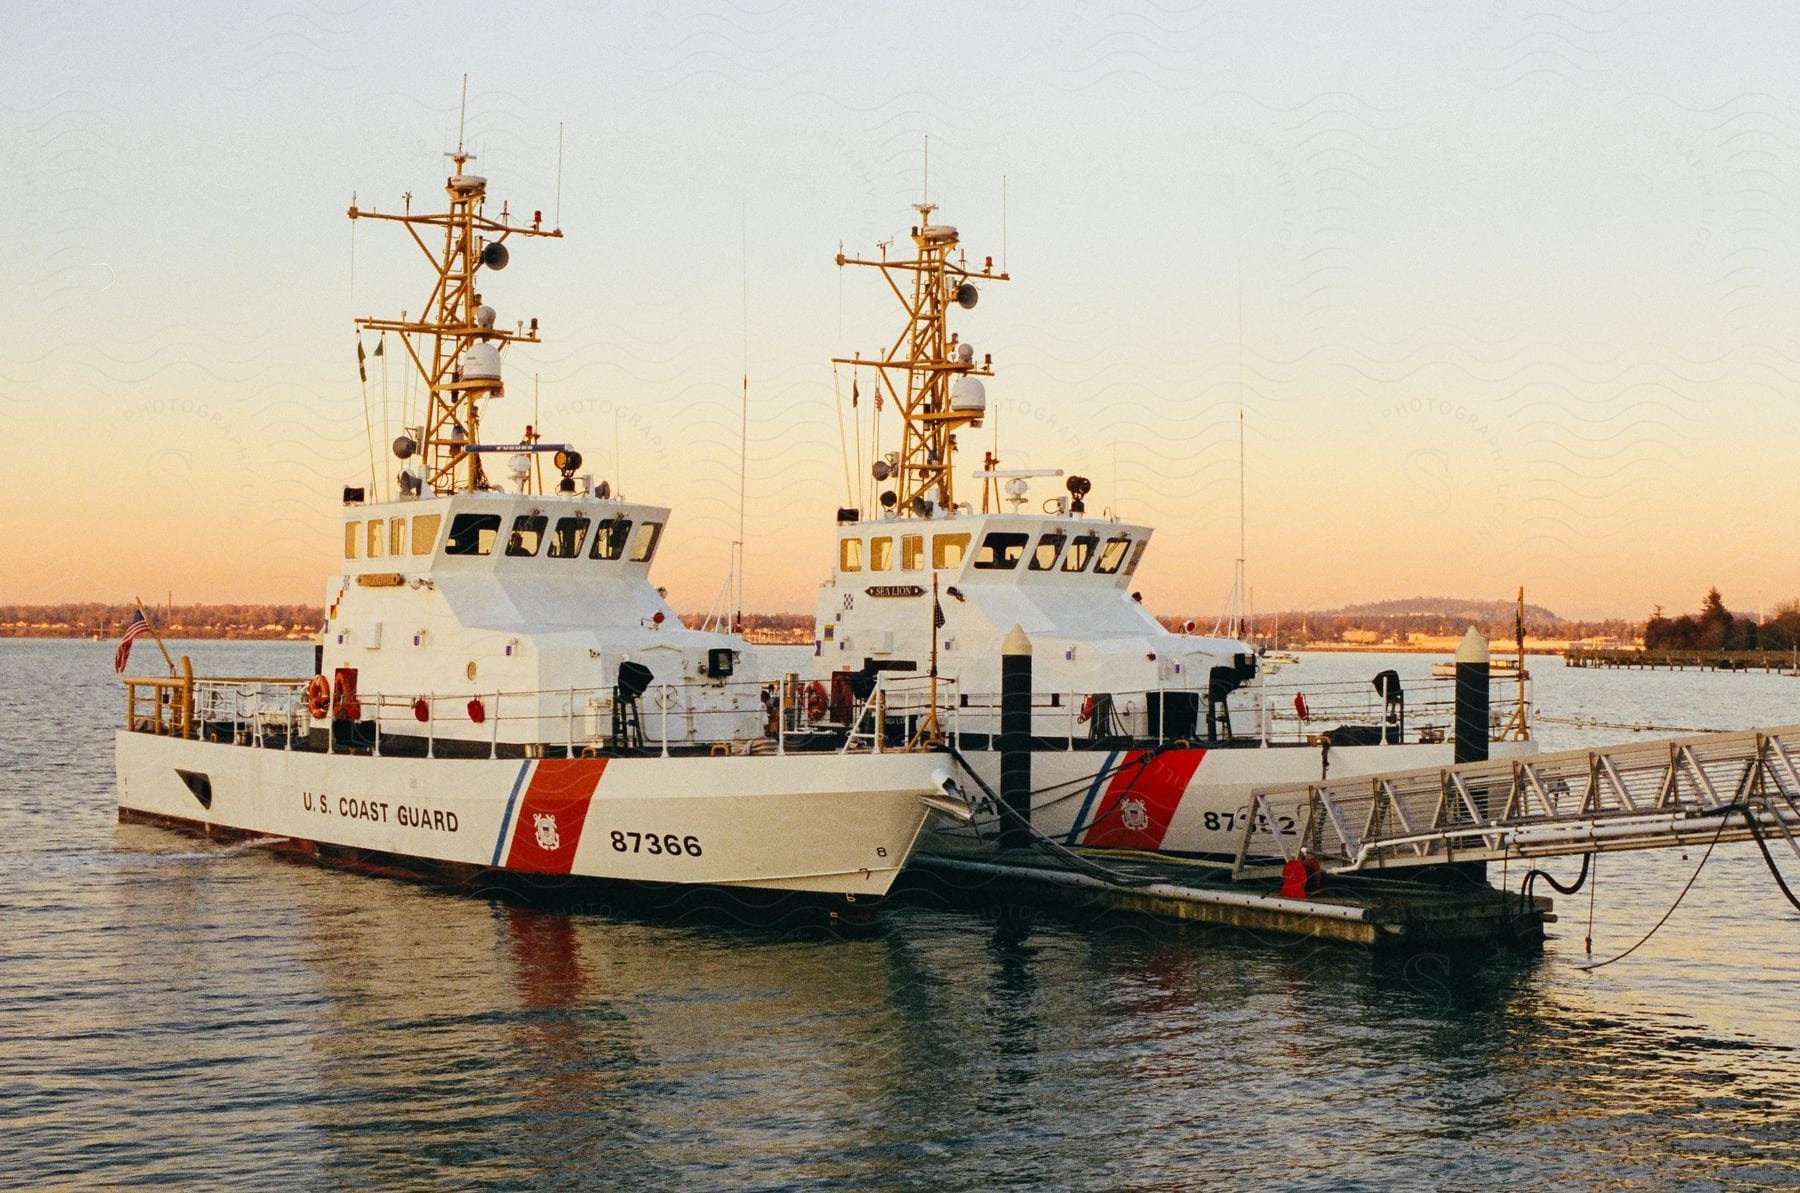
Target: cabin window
<point>644,545</point>
<point>1112,556</point>
<point>565,540</point>
<point>352,539</point>
<point>425,528</point>
<point>472,534</point>
<point>912,552</point>
<point>527,534</point>
<point>610,538</point>
<point>1049,547</point>
<point>1081,549</point>
<point>881,554</point>
<point>1001,551</point>
<point>1137,553</point>
<point>850,555</point>
<point>377,539</point>
<point>397,536</point>
<point>947,550</point>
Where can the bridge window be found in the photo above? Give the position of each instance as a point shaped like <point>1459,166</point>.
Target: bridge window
<point>472,534</point>
<point>1137,553</point>
<point>1001,551</point>
<point>352,539</point>
<point>1112,556</point>
<point>912,552</point>
<point>850,555</point>
<point>1081,549</point>
<point>1048,548</point>
<point>527,535</point>
<point>565,540</point>
<point>397,536</point>
<point>644,546</point>
<point>947,550</point>
<point>881,554</point>
<point>377,539</point>
<point>610,538</point>
<point>425,528</point>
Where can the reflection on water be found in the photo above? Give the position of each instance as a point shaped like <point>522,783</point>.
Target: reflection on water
<point>179,1014</point>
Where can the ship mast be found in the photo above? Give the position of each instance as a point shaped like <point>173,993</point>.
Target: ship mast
<point>927,372</point>
<point>462,367</point>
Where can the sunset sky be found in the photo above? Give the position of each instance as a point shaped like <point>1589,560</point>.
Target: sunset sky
<point>1517,283</point>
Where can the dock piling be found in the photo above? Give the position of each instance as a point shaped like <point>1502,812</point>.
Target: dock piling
<point>1015,740</point>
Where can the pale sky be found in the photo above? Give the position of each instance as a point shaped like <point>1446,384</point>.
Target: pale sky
<point>1518,280</point>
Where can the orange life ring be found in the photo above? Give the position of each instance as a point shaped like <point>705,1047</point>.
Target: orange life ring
<point>816,700</point>
<point>318,697</point>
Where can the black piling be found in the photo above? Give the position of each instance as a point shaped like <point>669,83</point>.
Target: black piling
<point>1472,698</point>
<point>1472,724</point>
<point>1015,740</point>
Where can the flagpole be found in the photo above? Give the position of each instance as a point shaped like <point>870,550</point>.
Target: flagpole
<point>933,735</point>
<point>152,631</point>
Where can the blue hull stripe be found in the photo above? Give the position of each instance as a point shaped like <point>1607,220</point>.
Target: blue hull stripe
<point>512,802</point>
<point>1087,805</point>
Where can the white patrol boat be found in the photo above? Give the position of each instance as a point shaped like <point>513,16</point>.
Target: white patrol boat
<point>1140,737</point>
<point>501,696</point>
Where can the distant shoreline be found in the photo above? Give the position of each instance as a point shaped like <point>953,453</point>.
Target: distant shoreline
<point>1498,649</point>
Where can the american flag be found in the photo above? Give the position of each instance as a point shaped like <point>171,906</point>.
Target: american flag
<point>138,626</point>
<point>937,613</point>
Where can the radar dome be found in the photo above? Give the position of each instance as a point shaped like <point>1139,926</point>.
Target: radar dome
<point>968,394</point>
<point>481,362</point>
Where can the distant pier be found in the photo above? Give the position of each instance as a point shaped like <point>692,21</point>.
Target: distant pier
<point>1681,660</point>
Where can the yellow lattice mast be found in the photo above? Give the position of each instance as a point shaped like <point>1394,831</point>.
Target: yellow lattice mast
<point>463,366</point>
<point>928,373</point>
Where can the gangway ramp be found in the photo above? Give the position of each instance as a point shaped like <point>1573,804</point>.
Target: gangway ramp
<point>1645,795</point>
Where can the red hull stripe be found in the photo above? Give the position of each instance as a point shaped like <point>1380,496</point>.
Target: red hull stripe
<point>555,807</point>
<point>1141,800</point>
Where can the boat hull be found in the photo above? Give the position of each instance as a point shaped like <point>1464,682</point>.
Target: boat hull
<point>829,824</point>
<point>1189,802</point>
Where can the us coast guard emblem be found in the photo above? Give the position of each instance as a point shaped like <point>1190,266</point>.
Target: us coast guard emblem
<point>546,832</point>
<point>1133,816</point>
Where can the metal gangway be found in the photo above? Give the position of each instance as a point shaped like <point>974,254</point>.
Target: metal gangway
<point>1683,791</point>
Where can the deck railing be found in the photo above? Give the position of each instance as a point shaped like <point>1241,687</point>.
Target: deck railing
<point>778,715</point>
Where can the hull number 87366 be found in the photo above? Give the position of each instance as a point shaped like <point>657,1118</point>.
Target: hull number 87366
<point>668,843</point>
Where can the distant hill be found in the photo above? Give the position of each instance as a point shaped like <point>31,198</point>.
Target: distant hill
<point>1451,607</point>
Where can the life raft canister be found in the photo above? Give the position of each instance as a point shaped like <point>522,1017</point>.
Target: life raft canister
<point>1300,707</point>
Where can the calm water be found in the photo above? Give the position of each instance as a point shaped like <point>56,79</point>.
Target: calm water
<point>182,1014</point>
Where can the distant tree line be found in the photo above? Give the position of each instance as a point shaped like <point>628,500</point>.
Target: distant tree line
<point>1717,628</point>
<point>83,619</point>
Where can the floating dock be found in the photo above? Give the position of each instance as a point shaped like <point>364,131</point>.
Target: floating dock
<point>1390,914</point>
<point>1396,859</point>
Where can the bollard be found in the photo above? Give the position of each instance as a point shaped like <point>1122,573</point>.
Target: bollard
<point>1015,740</point>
